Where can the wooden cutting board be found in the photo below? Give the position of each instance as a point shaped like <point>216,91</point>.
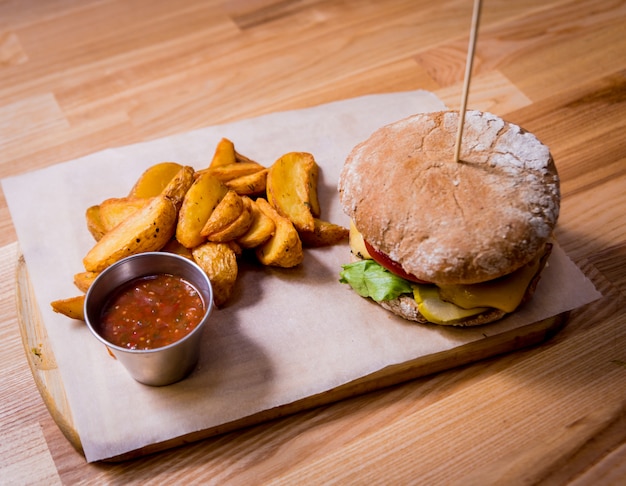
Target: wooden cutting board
<point>48,379</point>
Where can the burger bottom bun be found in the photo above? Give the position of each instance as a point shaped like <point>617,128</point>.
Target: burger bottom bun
<point>406,307</point>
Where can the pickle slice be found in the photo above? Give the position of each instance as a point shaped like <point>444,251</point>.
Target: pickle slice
<point>439,311</point>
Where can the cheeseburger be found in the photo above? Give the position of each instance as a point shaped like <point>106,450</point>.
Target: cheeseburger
<point>452,243</point>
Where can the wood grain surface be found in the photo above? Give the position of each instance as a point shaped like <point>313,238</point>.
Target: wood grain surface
<point>80,76</point>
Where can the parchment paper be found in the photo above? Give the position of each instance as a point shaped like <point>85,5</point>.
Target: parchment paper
<point>286,335</point>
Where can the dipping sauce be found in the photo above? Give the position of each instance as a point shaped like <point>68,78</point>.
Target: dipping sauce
<point>151,312</point>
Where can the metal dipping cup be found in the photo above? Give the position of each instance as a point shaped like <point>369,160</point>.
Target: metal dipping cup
<point>158,366</point>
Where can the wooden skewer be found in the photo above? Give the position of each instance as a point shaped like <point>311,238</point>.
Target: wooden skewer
<point>468,74</point>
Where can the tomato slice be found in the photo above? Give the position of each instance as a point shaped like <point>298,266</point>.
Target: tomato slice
<point>391,265</point>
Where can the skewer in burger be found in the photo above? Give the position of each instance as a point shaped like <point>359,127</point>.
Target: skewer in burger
<point>446,242</point>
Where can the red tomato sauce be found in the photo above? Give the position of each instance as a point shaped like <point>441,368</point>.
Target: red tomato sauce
<point>151,312</point>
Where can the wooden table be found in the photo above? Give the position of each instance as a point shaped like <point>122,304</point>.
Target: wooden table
<point>80,76</point>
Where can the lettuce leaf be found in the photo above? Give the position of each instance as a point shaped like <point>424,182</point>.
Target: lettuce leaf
<point>369,279</point>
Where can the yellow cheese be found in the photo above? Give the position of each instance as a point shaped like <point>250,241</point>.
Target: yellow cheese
<point>438,311</point>
<point>504,293</point>
<point>447,304</point>
<point>357,245</point>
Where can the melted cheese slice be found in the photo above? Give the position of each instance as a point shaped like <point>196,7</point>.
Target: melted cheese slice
<point>357,244</point>
<point>504,293</point>
<point>444,304</point>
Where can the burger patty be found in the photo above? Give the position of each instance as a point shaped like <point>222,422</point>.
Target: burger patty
<point>406,306</point>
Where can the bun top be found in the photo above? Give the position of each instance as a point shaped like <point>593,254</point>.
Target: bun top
<point>451,222</point>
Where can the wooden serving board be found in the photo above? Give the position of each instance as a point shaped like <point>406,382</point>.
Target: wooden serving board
<point>48,379</point>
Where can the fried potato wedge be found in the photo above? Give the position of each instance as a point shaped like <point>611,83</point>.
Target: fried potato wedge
<point>224,154</point>
<point>227,210</point>
<point>83,280</point>
<point>152,182</point>
<point>236,228</point>
<point>200,201</point>
<point>229,172</point>
<point>235,247</point>
<point>242,158</point>
<point>284,247</point>
<point>148,229</point>
<point>94,222</point>
<point>117,209</point>
<point>174,246</point>
<point>178,186</point>
<point>249,185</point>
<point>261,228</point>
<point>219,261</point>
<point>324,233</point>
<point>72,307</point>
<point>292,189</point>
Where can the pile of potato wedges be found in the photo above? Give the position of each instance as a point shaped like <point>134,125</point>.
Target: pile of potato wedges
<point>213,216</point>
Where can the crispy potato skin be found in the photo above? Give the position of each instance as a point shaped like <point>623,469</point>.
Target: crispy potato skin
<point>249,185</point>
<point>225,213</point>
<point>199,202</point>
<point>261,228</point>
<point>292,189</point>
<point>229,172</point>
<point>324,233</point>
<point>72,307</point>
<point>219,261</point>
<point>177,187</point>
<point>152,182</point>
<point>174,246</point>
<point>235,229</point>
<point>284,247</point>
<point>117,209</point>
<point>148,229</point>
<point>94,222</point>
<point>83,280</point>
<point>231,219</point>
<point>224,154</point>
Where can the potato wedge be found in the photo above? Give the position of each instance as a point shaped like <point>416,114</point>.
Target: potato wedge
<point>72,307</point>
<point>235,229</point>
<point>117,209</point>
<point>249,185</point>
<point>324,233</point>
<point>83,280</point>
<point>227,210</point>
<point>201,199</point>
<point>233,245</point>
<point>224,154</point>
<point>284,247</point>
<point>152,182</point>
<point>94,222</point>
<point>174,246</point>
<point>260,230</point>
<point>148,229</point>
<point>178,186</point>
<point>229,172</point>
<point>219,262</point>
<point>292,189</point>
<point>242,158</point>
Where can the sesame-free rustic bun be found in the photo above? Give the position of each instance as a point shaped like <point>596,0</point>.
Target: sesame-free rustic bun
<point>449,222</point>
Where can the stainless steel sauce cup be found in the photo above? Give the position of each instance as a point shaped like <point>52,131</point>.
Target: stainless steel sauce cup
<point>167,364</point>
